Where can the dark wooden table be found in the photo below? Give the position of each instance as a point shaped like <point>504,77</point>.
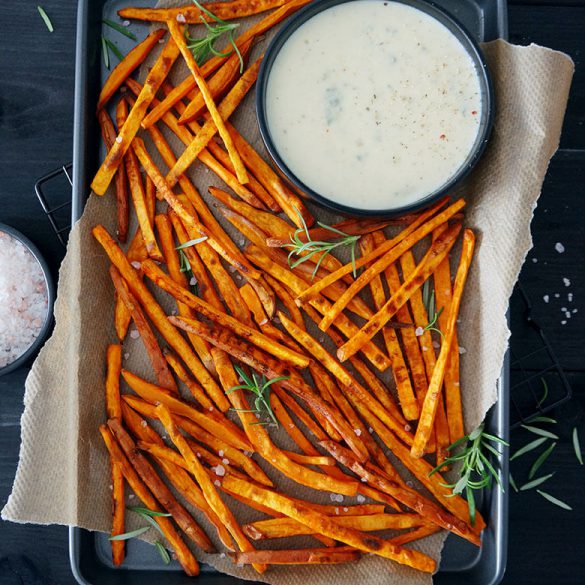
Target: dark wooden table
<point>36,119</point>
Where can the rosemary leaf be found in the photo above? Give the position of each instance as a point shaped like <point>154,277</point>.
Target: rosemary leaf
<point>163,552</point>
<point>512,482</point>
<point>577,446</point>
<point>46,19</point>
<point>191,243</point>
<point>541,459</point>
<point>536,482</point>
<point>543,419</point>
<point>540,432</point>
<point>131,534</point>
<point>118,27</point>
<point>554,500</point>
<point>544,394</point>
<point>527,448</point>
<point>112,46</point>
<point>105,53</point>
<point>146,511</point>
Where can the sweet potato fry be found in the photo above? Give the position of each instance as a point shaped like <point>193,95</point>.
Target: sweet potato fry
<point>125,68</point>
<point>310,459</point>
<point>180,479</point>
<point>289,202</point>
<point>190,14</point>
<point>159,364</point>
<point>121,183</point>
<point>404,389</point>
<point>443,297</point>
<point>184,555</point>
<point>163,227</point>
<point>177,32</point>
<point>409,497</point>
<point>341,373</point>
<point>264,445</point>
<point>426,267</point>
<point>158,317</point>
<point>114,409</point>
<point>159,489</point>
<point>194,388</point>
<point>163,281</point>
<point>409,236</point>
<point>223,112</point>
<point>287,527</point>
<point>272,368</point>
<point>214,63</point>
<point>298,285</point>
<point>212,421</point>
<point>127,133</point>
<point>415,534</point>
<point>314,556</point>
<point>329,527</point>
<point>430,404</point>
<point>207,485</point>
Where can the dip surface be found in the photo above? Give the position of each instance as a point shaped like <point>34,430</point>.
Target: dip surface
<point>373,104</point>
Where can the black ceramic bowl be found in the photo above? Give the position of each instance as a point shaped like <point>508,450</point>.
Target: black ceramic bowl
<point>485,126</point>
<point>46,327</point>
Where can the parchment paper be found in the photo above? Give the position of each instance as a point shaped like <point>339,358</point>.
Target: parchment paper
<point>63,473</point>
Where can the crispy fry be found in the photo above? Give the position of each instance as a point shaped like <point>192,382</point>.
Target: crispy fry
<point>212,421</point>
<point>207,486</point>
<point>180,479</point>
<point>163,227</point>
<point>404,389</point>
<point>158,317</point>
<point>415,534</point>
<point>409,236</point>
<point>163,281</point>
<point>430,404</point>
<point>409,497</point>
<point>272,368</point>
<point>443,297</point>
<point>287,527</point>
<point>121,183</point>
<point>310,459</point>
<point>192,15</point>
<point>329,527</point>
<point>214,63</point>
<point>341,373</point>
<point>288,201</point>
<point>160,491</point>
<point>264,445</point>
<point>114,409</point>
<point>127,133</point>
<point>159,364</point>
<point>124,69</point>
<point>223,112</point>
<point>433,257</point>
<point>314,556</point>
<point>194,388</point>
<point>297,285</point>
<point>184,555</point>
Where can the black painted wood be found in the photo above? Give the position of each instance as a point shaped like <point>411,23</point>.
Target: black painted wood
<point>36,105</point>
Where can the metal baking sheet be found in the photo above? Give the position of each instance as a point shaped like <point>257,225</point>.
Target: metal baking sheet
<point>461,563</point>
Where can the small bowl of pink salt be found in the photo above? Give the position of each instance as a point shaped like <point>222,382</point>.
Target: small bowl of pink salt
<point>26,299</point>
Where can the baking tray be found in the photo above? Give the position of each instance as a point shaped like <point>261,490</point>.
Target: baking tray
<point>461,563</point>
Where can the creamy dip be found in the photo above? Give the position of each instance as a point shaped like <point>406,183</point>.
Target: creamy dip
<point>373,104</point>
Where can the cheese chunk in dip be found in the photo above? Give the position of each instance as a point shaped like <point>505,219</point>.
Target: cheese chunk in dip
<point>373,104</point>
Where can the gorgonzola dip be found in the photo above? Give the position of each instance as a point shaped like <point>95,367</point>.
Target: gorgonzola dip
<point>373,104</point>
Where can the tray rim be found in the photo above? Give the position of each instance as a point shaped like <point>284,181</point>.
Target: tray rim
<point>500,409</point>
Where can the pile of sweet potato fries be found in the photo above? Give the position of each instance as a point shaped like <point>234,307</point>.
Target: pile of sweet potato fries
<point>336,409</point>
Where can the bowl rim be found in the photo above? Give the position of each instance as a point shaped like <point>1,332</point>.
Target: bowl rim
<point>44,331</point>
<point>470,45</point>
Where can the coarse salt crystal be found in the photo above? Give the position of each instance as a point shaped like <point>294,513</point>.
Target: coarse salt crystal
<point>425,348</point>
<point>119,139</point>
<point>462,350</point>
<point>225,461</point>
<point>535,260</point>
<point>559,247</point>
<point>220,452</point>
<point>126,23</point>
<point>143,423</point>
<point>570,297</point>
<point>557,295</point>
<point>126,356</point>
<point>546,298</point>
<point>333,497</point>
<point>198,455</point>
<point>409,483</point>
<point>364,480</point>
<point>193,281</point>
<point>219,470</point>
<point>181,18</point>
<point>563,309</point>
<point>566,282</point>
<point>370,430</point>
<point>134,334</point>
<point>336,511</point>
<point>574,310</point>
<point>436,344</point>
<point>346,509</point>
<point>563,322</point>
<point>358,432</point>
<point>211,409</point>
<point>222,555</point>
<point>136,265</point>
<point>217,483</point>
<point>131,496</point>
<point>419,331</point>
<point>568,314</point>
<point>361,499</point>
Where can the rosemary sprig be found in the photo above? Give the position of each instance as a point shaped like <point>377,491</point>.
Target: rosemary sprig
<point>428,297</point>
<point>260,387</point>
<point>120,28</point>
<point>46,19</point>
<point>203,47</point>
<point>477,471</point>
<point>185,267</point>
<point>311,247</point>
